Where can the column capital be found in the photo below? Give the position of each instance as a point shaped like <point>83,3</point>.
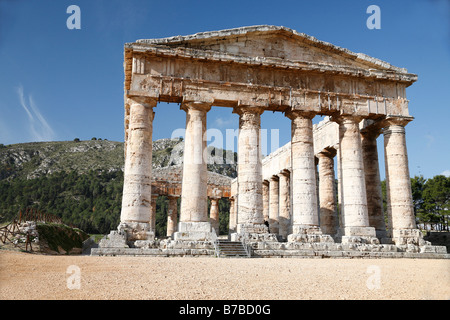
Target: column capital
<point>293,114</point>
<point>396,121</point>
<point>285,173</point>
<point>149,102</point>
<point>196,105</point>
<point>244,109</point>
<point>274,178</point>
<point>326,153</point>
<point>346,119</point>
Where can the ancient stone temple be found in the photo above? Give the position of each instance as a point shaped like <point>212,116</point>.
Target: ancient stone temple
<point>257,69</point>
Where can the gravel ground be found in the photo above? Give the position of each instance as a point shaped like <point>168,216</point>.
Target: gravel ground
<point>32,276</point>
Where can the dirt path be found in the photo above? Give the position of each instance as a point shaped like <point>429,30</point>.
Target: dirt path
<point>28,276</point>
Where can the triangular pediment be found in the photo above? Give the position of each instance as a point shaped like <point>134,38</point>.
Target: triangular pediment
<point>272,42</point>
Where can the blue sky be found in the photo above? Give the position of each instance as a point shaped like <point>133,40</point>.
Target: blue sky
<point>61,84</point>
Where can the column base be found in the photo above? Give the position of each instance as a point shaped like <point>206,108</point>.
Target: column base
<point>408,236</point>
<point>308,233</point>
<point>360,235</point>
<point>193,231</point>
<point>136,231</point>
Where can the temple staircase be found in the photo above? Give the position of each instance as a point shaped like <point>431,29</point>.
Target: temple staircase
<point>229,249</point>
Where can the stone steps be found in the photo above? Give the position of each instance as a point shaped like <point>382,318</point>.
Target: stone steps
<point>231,249</point>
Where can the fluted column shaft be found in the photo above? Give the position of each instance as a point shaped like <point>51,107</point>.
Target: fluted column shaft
<point>398,184</point>
<point>137,189</point>
<point>265,187</point>
<point>172,213</point>
<point>214,214</point>
<point>304,202</point>
<point>250,204</point>
<point>354,212</point>
<point>327,197</point>
<point>194,205</point>
<point>373,182</point>
<point>273,204</point>
<point>284,219</point>
<point>232,219</point>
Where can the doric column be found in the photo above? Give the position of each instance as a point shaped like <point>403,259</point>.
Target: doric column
<point>284,218</point>
<point>265,187</point>
<point>153,213</point>
<point>232,219</point>
<point>194,223</point>
<point>250,203</point>
<point>172,213</point>
<point>214,214</point>
<point>135,218</point>
<point>327,197</point>
<point>398,184</point>
<point>373,182</point>
<point>273,204</point>
<point>304,203</point>
<point>354,213</point>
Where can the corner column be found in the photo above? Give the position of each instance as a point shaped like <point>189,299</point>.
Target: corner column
<point>304,192</point>
<point>194,223</point>
<point>136,215</point>
<point>354,213</point>
<point>398,184</point>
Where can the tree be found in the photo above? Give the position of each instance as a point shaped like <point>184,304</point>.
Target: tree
<point>417,186</point>
<point>436,201</point>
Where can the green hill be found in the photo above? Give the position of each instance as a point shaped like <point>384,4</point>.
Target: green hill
<point>82,181</point>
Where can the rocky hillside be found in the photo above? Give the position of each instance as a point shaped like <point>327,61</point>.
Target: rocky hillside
<point>37,159</point>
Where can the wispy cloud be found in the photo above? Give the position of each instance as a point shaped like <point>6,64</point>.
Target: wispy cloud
<point>446,173</point>
<point>430,139</point>
<point>39,128</point>
<point>221,122</point>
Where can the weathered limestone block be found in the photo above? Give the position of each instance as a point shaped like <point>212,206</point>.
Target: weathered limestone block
<point>113,240</point>
<point>136,231</point>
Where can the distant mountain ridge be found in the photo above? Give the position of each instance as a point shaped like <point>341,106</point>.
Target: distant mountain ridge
<point>37,159</point>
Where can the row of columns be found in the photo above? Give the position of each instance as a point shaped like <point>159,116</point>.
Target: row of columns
<point>360,205</point>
